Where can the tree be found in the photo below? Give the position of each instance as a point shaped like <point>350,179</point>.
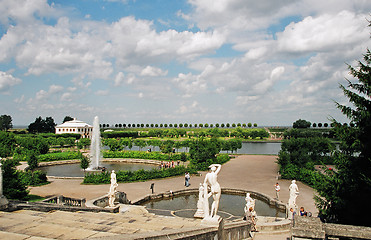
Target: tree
<point>300,123</point>
<point>5,122</point>
<point>7,144</point>
<point>32,161</point>
<point>314,125</point>
<point>255,125</point>
<point>42,126</point>
<point>13,186</point>
<point>67,118</point>
<point>249,125</point>
<point>83,143</point>
<point>349,187</point>
<point>84,162</point>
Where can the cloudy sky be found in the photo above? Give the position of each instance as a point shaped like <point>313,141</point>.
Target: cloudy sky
<point>187,61</point>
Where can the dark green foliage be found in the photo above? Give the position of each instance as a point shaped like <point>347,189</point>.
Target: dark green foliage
<point>348,189</point>
<point>120,134</point>
<point>142,155</point>
<point>5,122</point>
<point>42,126</point>
<point>301,124</point>
<point>32,160</point>
<point>67,118</point>
<point>83,143</point>
<point>38,144</point>
<point>203,152</point>
<point>33,178</point>
<point>84,162</point>
<point>7,144</point>
<point>140,175</point>
<point>13,187</point>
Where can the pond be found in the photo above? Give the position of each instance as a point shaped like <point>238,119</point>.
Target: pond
<point>186,206</point>
<point>247,148</point>
<point>74,170</point>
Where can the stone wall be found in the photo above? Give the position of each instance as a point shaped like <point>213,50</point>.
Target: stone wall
<point>313,228</point>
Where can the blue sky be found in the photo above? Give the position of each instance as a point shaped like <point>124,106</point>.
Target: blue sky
<point>193,61</point>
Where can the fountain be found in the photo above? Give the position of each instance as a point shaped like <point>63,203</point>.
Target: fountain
<point>95,146</point>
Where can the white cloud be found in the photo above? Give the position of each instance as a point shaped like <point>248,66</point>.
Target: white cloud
<point>102,92</point>
<point>323,33</point>
<point>150,71</point>
<point>119,79</point>
<point>7,80</point>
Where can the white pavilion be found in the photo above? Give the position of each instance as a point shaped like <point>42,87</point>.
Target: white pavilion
<point>75,126</point>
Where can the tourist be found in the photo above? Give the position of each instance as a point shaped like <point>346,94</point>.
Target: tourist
<point>187,177</point>
<point>277,188</point>
<point>303,212</point>
<point>293,213</point>
<point>249,217</point>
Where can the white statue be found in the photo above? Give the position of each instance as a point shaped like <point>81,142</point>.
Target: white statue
<point>112,190</point>
<point>211,181</point>
<point>294,192</point>
<point>200,203</point>
<point>250,202</point>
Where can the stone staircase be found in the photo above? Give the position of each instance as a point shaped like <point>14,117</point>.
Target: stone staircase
<point>28,224</point>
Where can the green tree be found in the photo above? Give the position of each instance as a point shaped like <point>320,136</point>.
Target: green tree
<point>255,125</point>
<point>249,125</point>
<point>42,126</point>
<point>84,162</point>
<point>7,144</point>
<point>13,186</point>
<point>32,161</point>
<point>300,123</point>
<point>5,122</point>
<point>67,118</point>
<point>140,143</point>
<point>349,187</point>
<point>83,143</point>
<point>203,152</point>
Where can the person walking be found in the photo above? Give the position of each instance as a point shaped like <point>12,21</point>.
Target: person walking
<point>186,178</point>
<point>277,188</point>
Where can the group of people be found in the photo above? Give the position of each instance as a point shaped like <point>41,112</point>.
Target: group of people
<point>169,164</point>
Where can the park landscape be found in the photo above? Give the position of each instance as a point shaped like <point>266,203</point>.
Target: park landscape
<point>190,120</point>
<point>331,163</point>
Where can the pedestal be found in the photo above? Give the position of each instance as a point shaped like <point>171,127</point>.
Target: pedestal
<point>199,213</point>
<point>212,221</point>
<point>4,203</point>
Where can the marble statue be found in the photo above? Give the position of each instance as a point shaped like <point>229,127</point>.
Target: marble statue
<point>112,190</point>
<point>211,182</point>
<point>200,203</point>
<point>250,202</point>
<point>294,192</point>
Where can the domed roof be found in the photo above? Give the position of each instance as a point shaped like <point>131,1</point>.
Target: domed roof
<point>74,124</point>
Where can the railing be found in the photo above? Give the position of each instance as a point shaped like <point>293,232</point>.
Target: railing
<point>67,201</point>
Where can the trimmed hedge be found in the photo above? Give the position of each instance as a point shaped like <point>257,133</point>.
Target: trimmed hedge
<point>49,157</point>
<point>143,155</point>
<point>120,134</point>
<point>140,175</point>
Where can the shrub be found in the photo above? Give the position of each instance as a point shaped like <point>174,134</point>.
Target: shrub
<point>59,156</point>
<point>35,178</point>
<point>140,175</point>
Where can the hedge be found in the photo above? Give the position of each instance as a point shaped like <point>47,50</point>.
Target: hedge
<point>140,175</point>
<point>143,155</point>
<point>59,156</point>
<point>120,134</point>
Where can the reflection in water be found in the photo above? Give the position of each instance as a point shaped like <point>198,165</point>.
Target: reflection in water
<point>247,148</point>
<point>74,170</point>
<point>233,204</point>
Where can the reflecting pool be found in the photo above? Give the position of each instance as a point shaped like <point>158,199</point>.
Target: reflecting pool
<point>186,206</point>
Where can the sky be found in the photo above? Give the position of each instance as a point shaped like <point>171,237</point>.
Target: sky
<point>186,61</point>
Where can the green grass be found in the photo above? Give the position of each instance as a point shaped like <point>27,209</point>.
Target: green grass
<point>34,198</point>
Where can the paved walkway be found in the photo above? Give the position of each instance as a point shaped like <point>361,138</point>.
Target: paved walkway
<point>249,172</point>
